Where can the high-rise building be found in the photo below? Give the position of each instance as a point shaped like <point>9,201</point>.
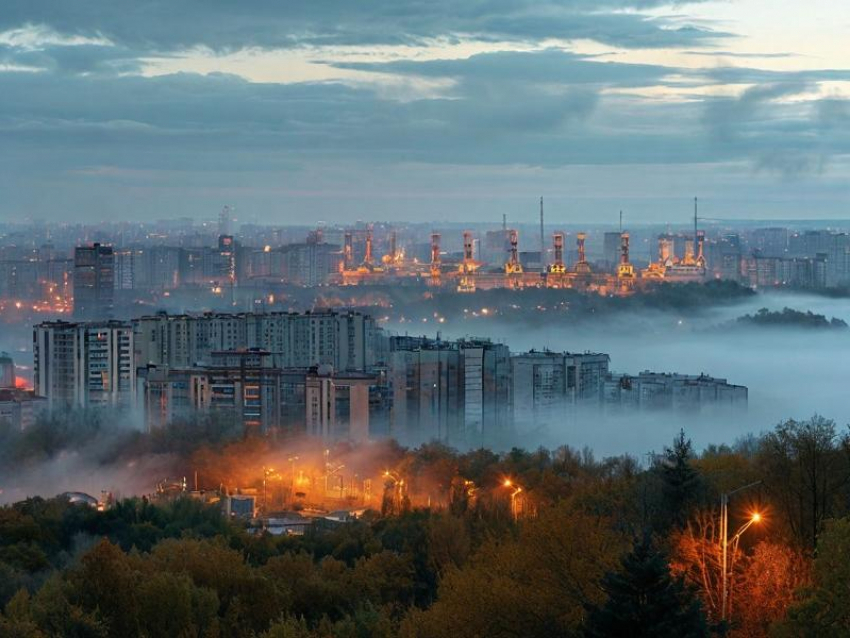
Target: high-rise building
<point>663,391</point>
<point>339,406</point>
<point>456,392</point>
<point>84,364</point>
<point>239,384</point>
<point>544,384</point>
<point>346,340</point>
<point>94,282</point>
<point>7,371</point>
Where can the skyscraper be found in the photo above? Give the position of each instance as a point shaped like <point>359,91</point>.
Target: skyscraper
<point>94,282</point>
<point>84,364</point>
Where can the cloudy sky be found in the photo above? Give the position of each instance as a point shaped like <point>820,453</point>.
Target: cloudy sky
<point>295,111</point>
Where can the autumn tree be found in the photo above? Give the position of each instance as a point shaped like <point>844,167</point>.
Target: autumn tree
<point>765,588</point>
<point>805,466</point>
<point>823,609</point>
<point>537,584</point>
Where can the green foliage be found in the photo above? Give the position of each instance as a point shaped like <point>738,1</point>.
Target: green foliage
<point>823,610</point>
<point>805,466</point>
<point>791,318</point>
<point>178,568</point>
<point>682,484</point>
<point>644,600</point>
<point>536,584</point>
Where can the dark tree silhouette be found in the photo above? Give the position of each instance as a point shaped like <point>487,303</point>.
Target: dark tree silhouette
<point>645,600</point>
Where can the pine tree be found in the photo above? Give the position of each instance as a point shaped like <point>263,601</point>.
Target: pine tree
<point>682,483</point>
<point>644,600</point>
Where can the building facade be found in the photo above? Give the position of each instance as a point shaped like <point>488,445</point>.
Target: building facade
<point>544,384</point>
<point>348,341</point>
<point>666,391</point>
<point>94,282</point>
<point>83,365</point>
<point>455,392</point>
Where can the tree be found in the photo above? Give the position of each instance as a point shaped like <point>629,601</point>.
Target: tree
<point>806,467</point>
<point>537,584</point>
<point>106,583</point>
<point>696,557</point>
<point>682,483</point>
<point>823,609</point>
<point>766,586</point>
<point>645,600</point>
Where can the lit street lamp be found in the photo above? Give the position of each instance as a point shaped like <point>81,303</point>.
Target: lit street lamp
<point>516,490</point>
<point>724,541</point>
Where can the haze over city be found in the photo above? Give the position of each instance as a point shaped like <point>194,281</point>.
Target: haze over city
<point>430,319</point>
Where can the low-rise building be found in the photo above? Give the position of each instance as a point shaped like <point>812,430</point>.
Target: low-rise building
<point>20,408</point>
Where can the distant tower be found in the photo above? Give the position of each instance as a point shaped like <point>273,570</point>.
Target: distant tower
<point>94,282</point>
<point>504,222</point>
<point>542,240</point>
<point>392,257</point>
<point>368,259</point>
<point>513,266</point>
<point>348,251</point>
<point>625,270</point>
<point>468,245</point>
<point>695,226</point>
<point>224,221</point>
<point>701,248</point>
<point>558,266</point>
<point>435,257</point>
<point>468,266</point>
<point>581,265</point>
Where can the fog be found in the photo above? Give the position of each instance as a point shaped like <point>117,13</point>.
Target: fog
<point>790,372</point>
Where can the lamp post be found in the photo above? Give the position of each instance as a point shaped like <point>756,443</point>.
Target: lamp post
<point>724,541</point>
<point>516,490</point>
<point>267,472</point>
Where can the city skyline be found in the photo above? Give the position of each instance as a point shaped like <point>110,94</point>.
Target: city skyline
<point>122,111</point>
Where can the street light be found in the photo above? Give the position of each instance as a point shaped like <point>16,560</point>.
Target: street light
<point>724,540</point>
<point>267,472</point>
<point>516,490</point>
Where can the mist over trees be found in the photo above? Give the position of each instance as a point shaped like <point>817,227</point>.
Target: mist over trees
<point>602,545</point>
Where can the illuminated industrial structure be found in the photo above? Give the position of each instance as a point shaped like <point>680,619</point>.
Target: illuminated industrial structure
<point>669,267</point>
<point>505,264</point>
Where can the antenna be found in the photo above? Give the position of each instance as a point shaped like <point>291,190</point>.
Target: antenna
<point>504,221</point>
<point>542,240</point>
<point>695,227</point>
<point>621,222</point>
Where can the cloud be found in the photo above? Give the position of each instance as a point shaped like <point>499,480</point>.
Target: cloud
<point>224,25</point>
<point>79,114</point>
<point>547,67</point>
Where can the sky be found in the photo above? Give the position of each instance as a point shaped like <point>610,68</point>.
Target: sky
<point>302,111</point>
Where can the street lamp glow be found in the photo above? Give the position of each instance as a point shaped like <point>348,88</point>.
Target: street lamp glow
<point>756,517</point>
<point>508,483</point>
